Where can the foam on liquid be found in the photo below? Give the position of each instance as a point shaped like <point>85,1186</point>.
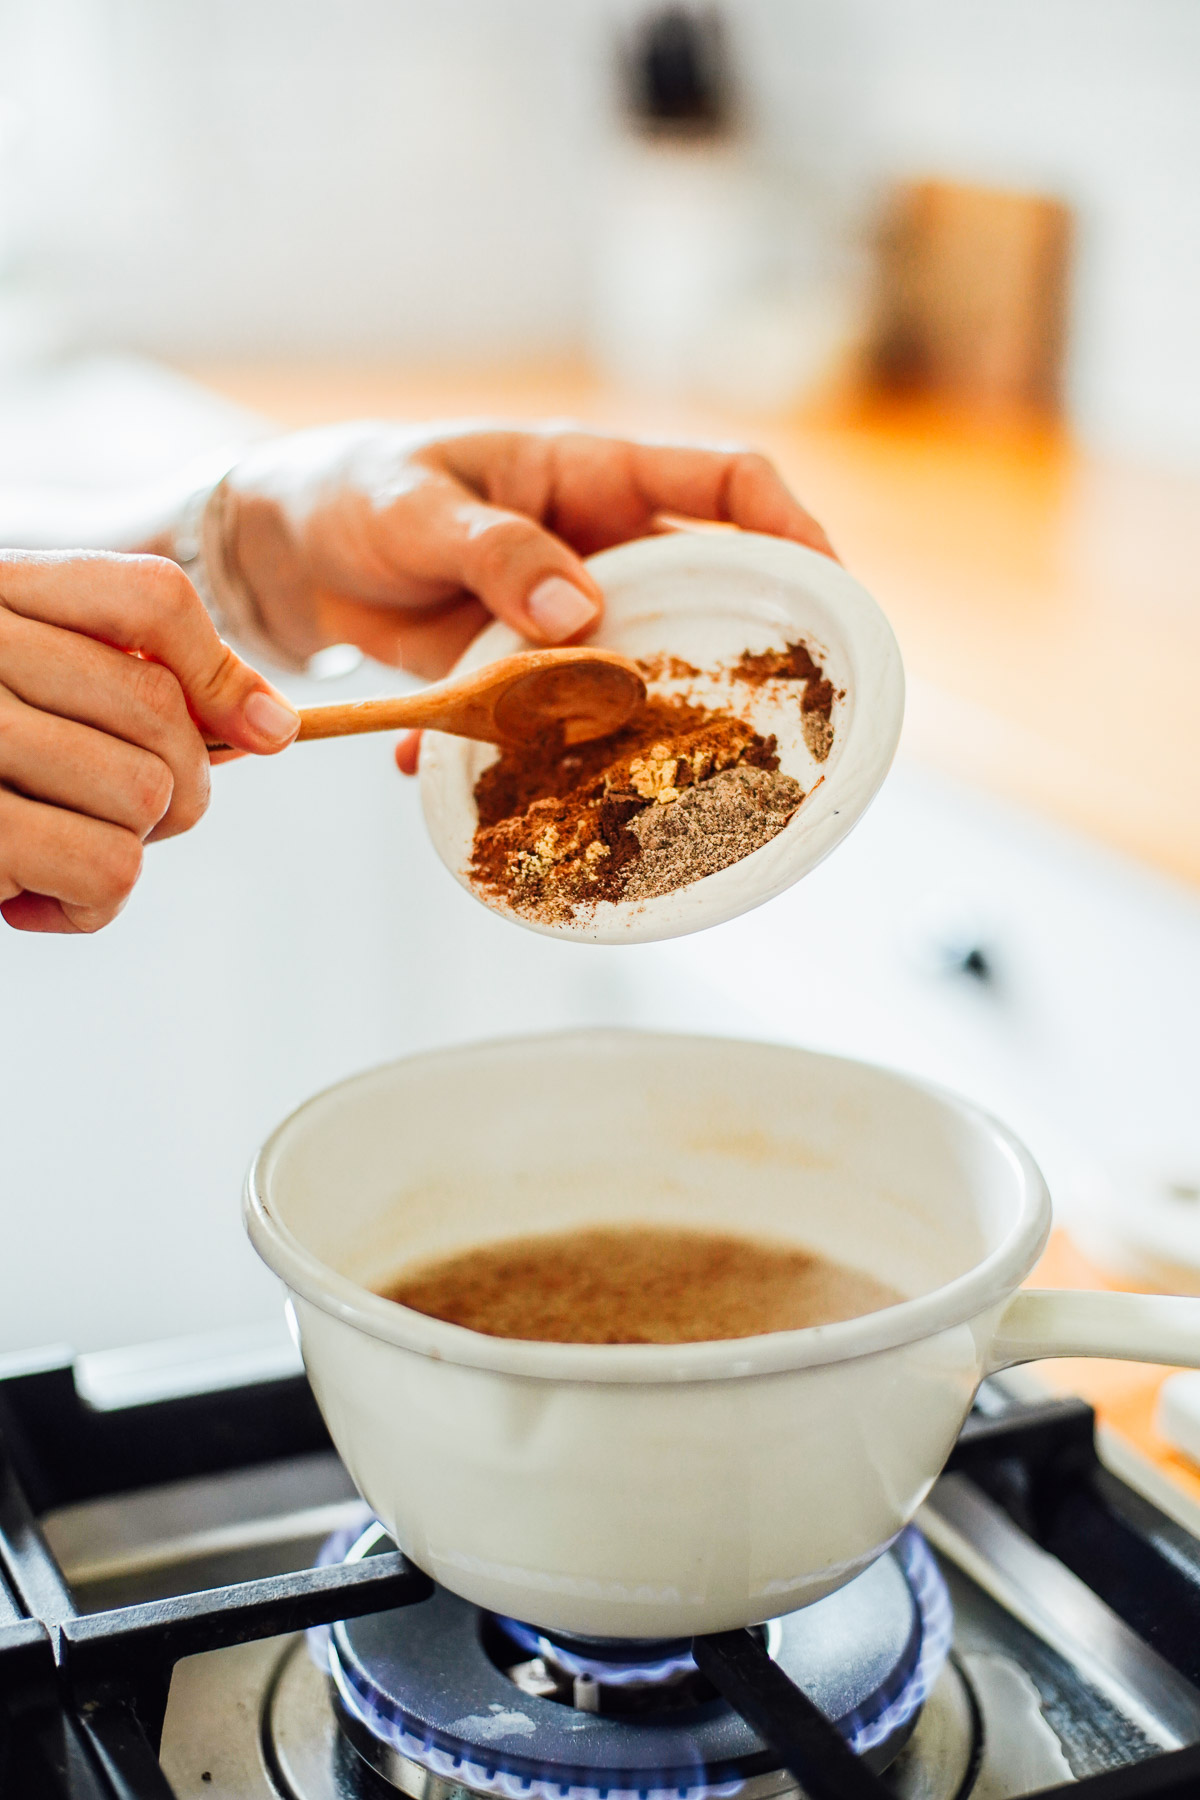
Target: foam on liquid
<point>637,1284</point>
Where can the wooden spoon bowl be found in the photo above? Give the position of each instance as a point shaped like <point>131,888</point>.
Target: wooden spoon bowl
<point>588,698</point>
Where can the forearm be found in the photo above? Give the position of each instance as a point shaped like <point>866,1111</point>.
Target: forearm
<point>164,518</point>
<point>41,517</point>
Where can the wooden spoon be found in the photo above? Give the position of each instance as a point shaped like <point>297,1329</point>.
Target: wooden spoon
<point>588,692</point>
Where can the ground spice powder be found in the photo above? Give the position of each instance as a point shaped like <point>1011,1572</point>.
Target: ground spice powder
<point>563,827</point>
<point>678,793</point>
<point>795,662</point>
<point>711,825</point>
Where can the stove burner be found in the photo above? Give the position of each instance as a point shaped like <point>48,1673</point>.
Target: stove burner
<point>426,1692</point>
<point>598,1675</point>
<point>618,1665</point>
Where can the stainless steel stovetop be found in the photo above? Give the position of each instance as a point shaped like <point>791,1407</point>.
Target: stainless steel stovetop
<point>1045,1685</point>
<point>1075,1602</point>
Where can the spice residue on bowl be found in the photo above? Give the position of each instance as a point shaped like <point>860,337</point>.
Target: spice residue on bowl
<point>795,662</point>
<point>679,792</point>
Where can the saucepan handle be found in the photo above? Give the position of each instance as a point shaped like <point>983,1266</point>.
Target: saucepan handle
<point>1154,1328</point>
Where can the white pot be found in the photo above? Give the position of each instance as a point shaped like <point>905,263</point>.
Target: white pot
<point>663,1490</point>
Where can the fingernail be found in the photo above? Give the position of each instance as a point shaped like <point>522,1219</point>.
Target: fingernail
<point>270,718</point>
<point>558,609</point>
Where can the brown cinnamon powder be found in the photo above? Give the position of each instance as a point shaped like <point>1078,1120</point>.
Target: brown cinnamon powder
<point>667,668</point>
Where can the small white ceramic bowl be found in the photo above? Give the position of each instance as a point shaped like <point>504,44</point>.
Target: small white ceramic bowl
<point>705,598</point>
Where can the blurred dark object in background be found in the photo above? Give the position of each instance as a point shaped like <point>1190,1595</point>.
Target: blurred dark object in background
<point>675,73</point>
<point>973,291</point>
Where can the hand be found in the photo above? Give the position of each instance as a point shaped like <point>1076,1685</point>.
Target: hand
<point>407,541</point>
<point>110,672</point>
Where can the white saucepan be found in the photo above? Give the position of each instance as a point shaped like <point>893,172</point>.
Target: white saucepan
<point>657,1490</point>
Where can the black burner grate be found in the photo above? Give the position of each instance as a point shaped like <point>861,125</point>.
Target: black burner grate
<point>82,1696</point>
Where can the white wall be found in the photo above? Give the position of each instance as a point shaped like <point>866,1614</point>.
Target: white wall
<point>213,176</point>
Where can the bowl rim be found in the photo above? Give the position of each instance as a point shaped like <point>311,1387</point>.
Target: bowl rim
<point>834,804</point>
<point>989,1283</point>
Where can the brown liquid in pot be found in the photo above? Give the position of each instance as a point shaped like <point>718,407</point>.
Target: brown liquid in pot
<point>638,1285</point>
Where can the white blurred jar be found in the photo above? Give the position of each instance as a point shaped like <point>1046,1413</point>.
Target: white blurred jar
<point>678,245</point>
<point>694,289</point>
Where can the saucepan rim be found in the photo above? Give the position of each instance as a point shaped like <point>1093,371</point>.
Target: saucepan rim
<point>988,1284</point>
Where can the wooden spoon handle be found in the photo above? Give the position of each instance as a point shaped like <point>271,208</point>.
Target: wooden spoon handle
<point>345,718</point>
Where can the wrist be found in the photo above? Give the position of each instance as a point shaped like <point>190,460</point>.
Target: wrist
<point>239,554</point>
<point>262,564</point>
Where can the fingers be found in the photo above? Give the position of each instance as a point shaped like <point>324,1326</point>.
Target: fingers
<point>36,912</point>
<point>634,482</point>
<point>597,491</point>
<point>754,496</point>
<point>110,670</point>
<point>88,866</point>
<point>441,537</point>
<point>147,605</point>
<point>408,753</point>
<point>70,765</point>
<point>521,572</point>
<point>66,676</point>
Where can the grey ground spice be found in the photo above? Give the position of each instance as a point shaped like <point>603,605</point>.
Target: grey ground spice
<point>818,735</point>
<point>709,826</point>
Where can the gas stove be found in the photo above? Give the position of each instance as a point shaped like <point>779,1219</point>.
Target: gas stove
<point>193,1602</point>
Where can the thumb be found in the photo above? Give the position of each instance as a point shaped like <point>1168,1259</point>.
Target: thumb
<point>522,573</point>
<point>236,706</point>
<point>230,701</point>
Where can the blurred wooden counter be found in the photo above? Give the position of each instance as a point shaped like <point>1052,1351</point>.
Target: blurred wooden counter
<point>1047,602</point>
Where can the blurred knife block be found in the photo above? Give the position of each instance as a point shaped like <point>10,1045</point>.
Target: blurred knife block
<point>972,297</point>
